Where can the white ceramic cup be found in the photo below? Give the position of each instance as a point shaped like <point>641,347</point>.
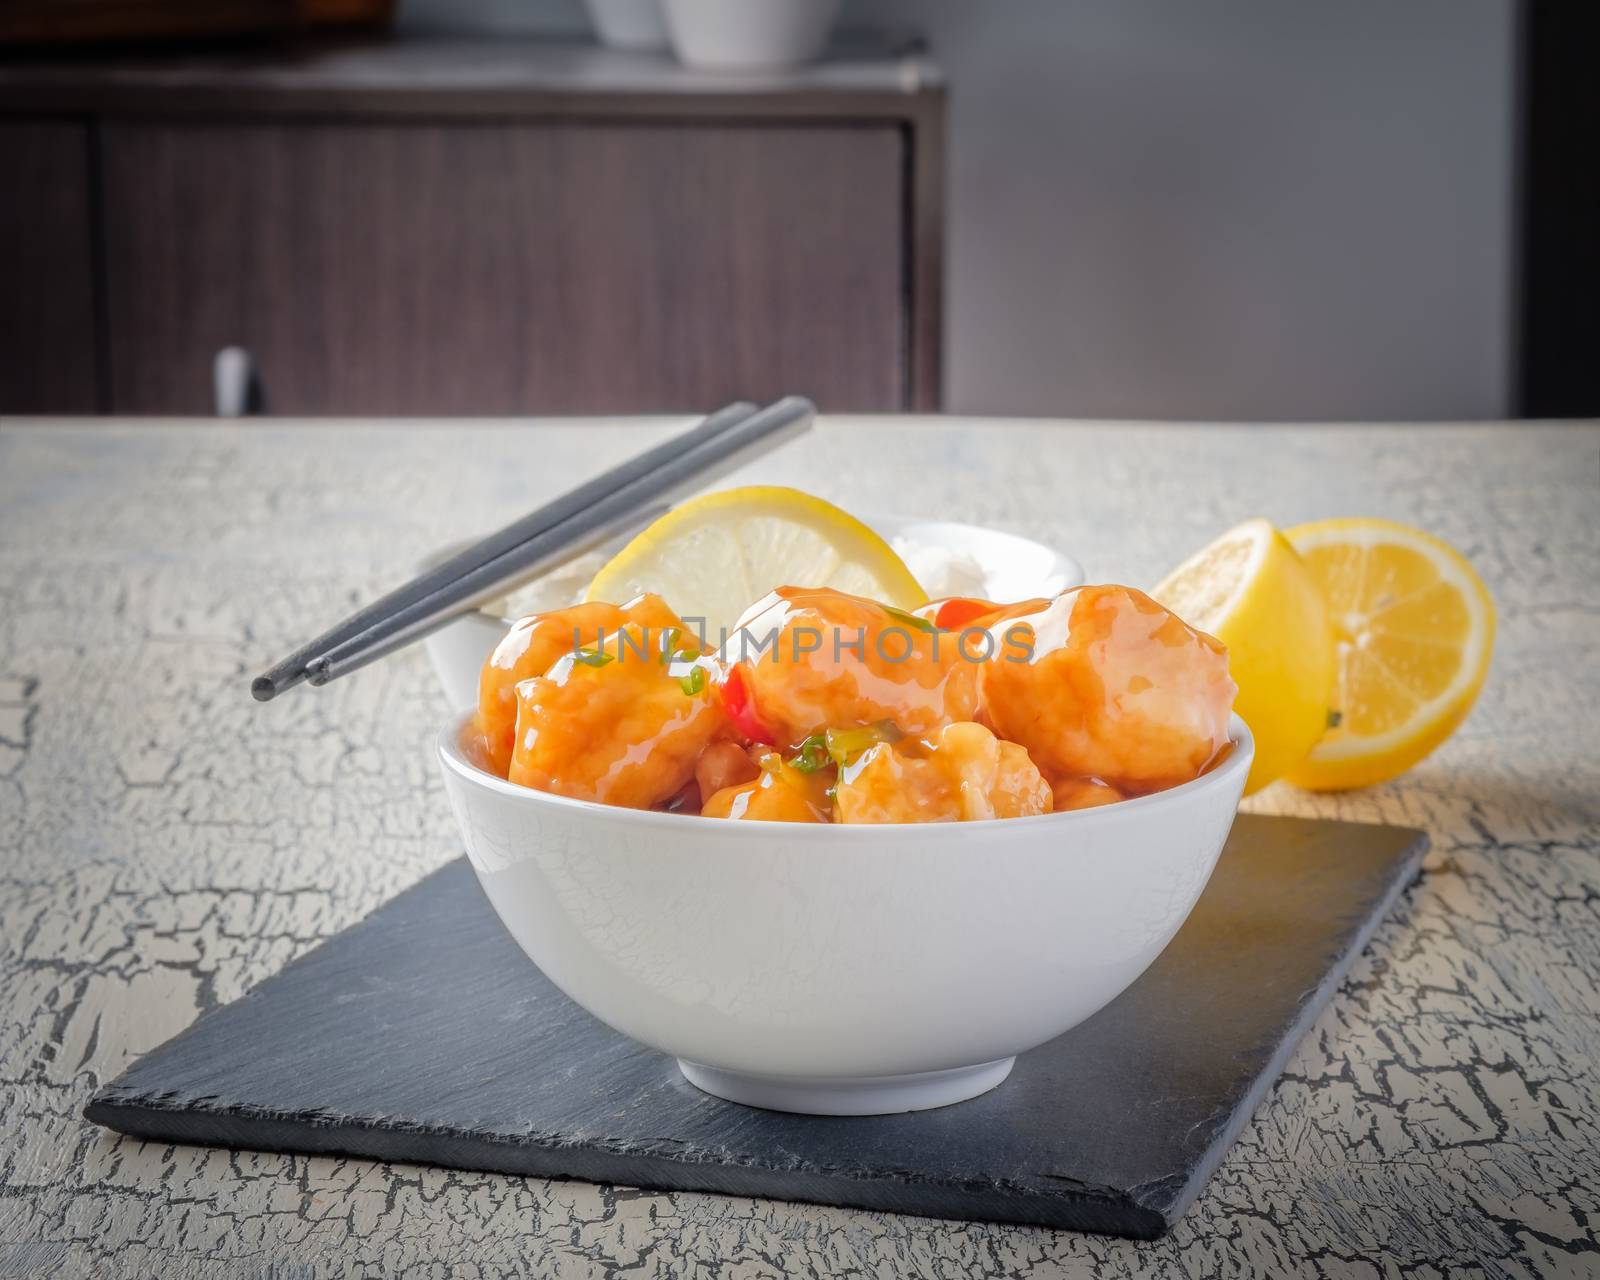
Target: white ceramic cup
<point>749,35</point>
<point>842,970</point>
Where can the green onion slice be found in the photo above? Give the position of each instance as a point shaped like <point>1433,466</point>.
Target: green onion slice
<point>909,619</point>
<point>676,643</point>
<point>845,745</point>
<point>811,755</point>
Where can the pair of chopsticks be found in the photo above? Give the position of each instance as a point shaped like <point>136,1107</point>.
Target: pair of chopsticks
<point>624,498</point>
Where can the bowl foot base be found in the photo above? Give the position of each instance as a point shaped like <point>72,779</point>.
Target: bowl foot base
<point>848,1095</point>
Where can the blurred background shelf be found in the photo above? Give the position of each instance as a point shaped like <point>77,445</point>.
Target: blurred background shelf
<point>42,23</point>
<point>431,225</point>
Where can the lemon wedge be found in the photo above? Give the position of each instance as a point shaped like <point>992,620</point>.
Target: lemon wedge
<point>716,555</point>
<point>1252,592</point>
<point>1414,627</point>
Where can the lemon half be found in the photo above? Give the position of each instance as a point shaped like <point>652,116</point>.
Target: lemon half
<point>716,555</point>
<point>1250,589</point>
<point>1414,626</point>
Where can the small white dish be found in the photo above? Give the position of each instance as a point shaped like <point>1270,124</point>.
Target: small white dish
<point>969,560</point>
<point>748,35</point>
<point>638,26</point>
<point>842,970</point>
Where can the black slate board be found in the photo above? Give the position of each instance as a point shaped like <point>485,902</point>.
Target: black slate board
<point>424,1035</point>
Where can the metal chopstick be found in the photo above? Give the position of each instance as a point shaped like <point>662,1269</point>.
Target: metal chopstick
<point>291,670</point>
<point>624,508</point>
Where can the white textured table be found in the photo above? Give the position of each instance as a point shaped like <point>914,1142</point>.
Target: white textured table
<point>165,843</point>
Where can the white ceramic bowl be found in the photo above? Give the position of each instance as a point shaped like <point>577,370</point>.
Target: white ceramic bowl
<point>637,25</point>
<point>1001,566</point>
<point>748,35</point>
<point>842,970</point>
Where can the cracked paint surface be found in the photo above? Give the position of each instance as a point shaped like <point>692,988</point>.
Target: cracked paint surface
<point>166,843</point>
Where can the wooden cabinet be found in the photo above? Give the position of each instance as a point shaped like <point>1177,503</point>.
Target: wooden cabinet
<point>464,268</point>
<point>48,346</point>
<point>408,230</point>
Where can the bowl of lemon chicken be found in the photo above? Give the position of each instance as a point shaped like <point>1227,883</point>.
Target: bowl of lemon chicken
<point>733,544</point>
<point>857,857</point>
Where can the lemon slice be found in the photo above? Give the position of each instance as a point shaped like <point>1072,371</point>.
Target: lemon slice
<point>714,556</point>
<point>1251,591</point>
<point>1414,627</point>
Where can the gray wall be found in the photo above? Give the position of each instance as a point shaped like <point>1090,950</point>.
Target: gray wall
<point>1213,208</point>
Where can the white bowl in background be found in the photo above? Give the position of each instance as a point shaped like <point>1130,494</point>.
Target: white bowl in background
<point>842,970</point>
<point>975,561</point>
<point>636,25</point>
<point>748,35</point>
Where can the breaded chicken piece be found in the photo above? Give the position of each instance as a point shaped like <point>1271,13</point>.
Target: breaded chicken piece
<point>616,724</point>
<point>1113,686</point>
<point>533,645</point>
<point>962,774</point>
<point>831,660</point>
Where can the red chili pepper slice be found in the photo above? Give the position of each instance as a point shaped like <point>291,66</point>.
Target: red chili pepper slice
<point>958,611</point>
<point>736,701</point>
